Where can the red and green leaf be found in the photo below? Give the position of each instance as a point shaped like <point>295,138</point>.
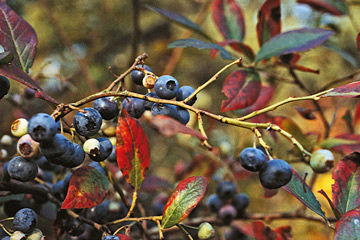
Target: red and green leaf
<point>242,88</point>
<point>269,21</point>
<point>345,190</point>
<point>168,127</point>
<point>299,189</point>
<point>132,149</point>
<point>348,227</point>
<point>183,200</point>
<point>229,19</point>
<point>345,143</point>
<point>196,43</point>
<point>293,41</point>
<point>335,7</point>
<point>18,37</point>
<point>87,188</point>
<point>237,46</point>
<point>336,212</point>
<point>179,19</point>
<point>348,90</point>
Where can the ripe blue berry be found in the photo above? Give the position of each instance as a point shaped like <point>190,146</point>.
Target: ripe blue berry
<point>137,76</point>
<point>59,190</point>
<point>25,220</point>
<point>76,159</point>
<point>21,169</point>
<point>147,104</point>
<point>184,92</point>
<point>105,150</point>
<point>59,150</point>
<point>88,124</point>
<point>252,159</point>
<point>112,157</point>
<point>226,190</point>
<point>275,174</point>
<point>164,109</point>
<point>166,87</point>
<point>134,106</point>
<point>214,203</point>
<point>240,202</point>
<point>183,115</point>
<point>42,127</point>
<point>4,86</point>
<point>107,108</point>
<point>110,237</point>
<point>227,213</point>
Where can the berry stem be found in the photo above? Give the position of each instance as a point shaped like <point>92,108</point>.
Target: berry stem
<point>184,231</point>
<point>133,203</point>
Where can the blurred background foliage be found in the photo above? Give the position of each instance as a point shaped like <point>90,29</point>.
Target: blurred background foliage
<point>79,40</point>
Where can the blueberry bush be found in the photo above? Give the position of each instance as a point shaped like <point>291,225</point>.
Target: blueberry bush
<point>114,125</point>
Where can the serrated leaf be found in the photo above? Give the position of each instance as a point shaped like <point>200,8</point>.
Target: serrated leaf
<point>132,149</point>
<point>229,19</point>
<point>299,189</point>
<point>17,36</point>
<point>348,90</point>
<point>242,88</point>
<point>179,19</point>
<point>269,21</point>
<point>348,227</point>
<point>335,7</point>
<point>87,188</point>
<point>183,200</point>
<point>293,41</point>
<point>345,190</point>
<point>195,43</point>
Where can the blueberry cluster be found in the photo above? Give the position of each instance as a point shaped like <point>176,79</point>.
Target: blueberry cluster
<point>272,174</point>
<point>165,87</point>
<point>227,203</point>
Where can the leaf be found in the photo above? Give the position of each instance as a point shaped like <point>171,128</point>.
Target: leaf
<point>123,237</point>
<point>335,7</point>
<point>132,149</point>
<point>306,113</point>
<point>237,46</point>
<point>179,19</point>
<point>87,188</point>
<point>299,189</point>
<point>336,212</point>
<point>168,127</point>
<point>348,227</point>
<point>269,21</point>
<point>348,90</point>
<point>15,73</point>
<point>229,19</point>
<point>293,41</point>
<point>195,43</point>
<point>345,190</point>
<point>263,232</point>
<point>242,88</point>
<point>357,114</point>
<point>17,36</point>
<point>183,200</point>
<point>358,41</point>
<point>345,143</point>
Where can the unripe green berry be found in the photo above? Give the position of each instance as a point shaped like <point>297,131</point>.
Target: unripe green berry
<point>206,231</point>
<point>17,235</point>
<point>36,234</point>
<point>92,146</point>
<point>19,127</point>
<point>322,161</point>
<point>6,140</point>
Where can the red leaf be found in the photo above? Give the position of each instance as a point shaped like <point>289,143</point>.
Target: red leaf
<point>132,149</point>
<point>345,143</point>
<point>87,188</point>
<point>306,113</point>
<point>269,21</point>
<point>357,114</point>
<point>358,41</point>
<point>345,190</point>
<point>348,226</point>
<point>332,205</point>
<point>18,37</point>
<point>348,90</point>
<point>123,237</point>
<point>263,232</point>
<point>183,200</point>
<point>337,7</point>
<point>229,19</point>
<point>168,127</point>
<point>242,88</point>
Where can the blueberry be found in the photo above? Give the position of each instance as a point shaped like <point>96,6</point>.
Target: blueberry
<point>110,237</point>
<point>137,76</point>
<point>42,127</point>
<point>184,92</point>
<point>88,124</point>
<point>164,109</point>
<point>134,106</point>
<point>275,174</point>
<point>25,220</point>
<point>240,202</point>
<point>108,109</point>
<point>252,159</point>
<point>166,87</point>
<point>105,150</point>
<point>183,115</point>
<point>116,210</point>
<point>112,157</point>
<point>226,190</point>
<point>98,212</point>
<point>22,170</point>
<point>214,203</point>
<point>44,164</point>
<point>59,150</point>
<point>147,104</point>
<point>59,190</point>
<point>4,86</point>
<point>227,213</point>
<point>76,159</point>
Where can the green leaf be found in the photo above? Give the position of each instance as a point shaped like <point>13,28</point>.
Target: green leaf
<point>293,41</point>
<point>183,200</point>
<point>298,188</point>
